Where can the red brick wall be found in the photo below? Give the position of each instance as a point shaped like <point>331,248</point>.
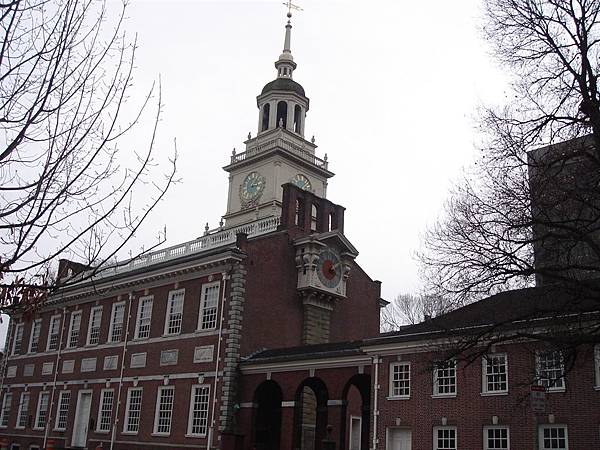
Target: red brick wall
<point>578,407</point>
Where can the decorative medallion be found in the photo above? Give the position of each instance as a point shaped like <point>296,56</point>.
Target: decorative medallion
<point>302,182</point>
<point>251,189</point>
<point>329,268</point>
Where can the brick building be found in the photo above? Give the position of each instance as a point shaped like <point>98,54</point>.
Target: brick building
<point>264,334</point>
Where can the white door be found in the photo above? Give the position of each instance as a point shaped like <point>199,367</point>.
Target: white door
<point>399,439</point>
<point>355,425</point>
<point>82,419</point>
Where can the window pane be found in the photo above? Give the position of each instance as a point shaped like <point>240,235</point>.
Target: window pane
<point>199,411</point>
<point>165,410</point>
<point>134,408</point>
<point>210,300</point>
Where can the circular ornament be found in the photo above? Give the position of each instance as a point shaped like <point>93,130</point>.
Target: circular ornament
<point>329,268</point>
<point>252,187</point>
<point>302,182</point>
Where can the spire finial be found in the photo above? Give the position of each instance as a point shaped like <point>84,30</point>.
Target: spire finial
<point>286,65</point>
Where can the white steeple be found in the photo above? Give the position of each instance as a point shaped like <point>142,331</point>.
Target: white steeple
<point>285,65</point>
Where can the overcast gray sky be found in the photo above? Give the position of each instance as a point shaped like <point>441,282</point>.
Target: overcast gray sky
<point>393,85</point>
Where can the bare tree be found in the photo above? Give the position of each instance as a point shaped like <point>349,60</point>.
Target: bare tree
<point>67,188</point>
<point>409,309</point>
<point>528,213</point>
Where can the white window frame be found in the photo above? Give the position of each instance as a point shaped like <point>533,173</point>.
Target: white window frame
<point>393,366</point>
<point>484,374</point>
<point>192,410</point>
<point>5,411</point>
<point>23,410</point>
<point>91,327</point>
<point>99,423</point>
<point>127,420</point>
<point>597,364</point>
<point>41,395</point>
<point>157,411</point>
<point>34,336</point>
<point>149,301</point>
<point>541,429</point>
<point>495,427</point>
<point>19,332</point>
<point>113,317</point>
<point>172,296</point>
<point>205,289</point>
<point>70,340</point>
<point>60,409</point>
<point>435,437</point>
<point>54,319</point>
<point>560,384</point>
<point>449,364</point>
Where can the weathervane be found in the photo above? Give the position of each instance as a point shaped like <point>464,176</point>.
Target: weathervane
<point>291,6</point>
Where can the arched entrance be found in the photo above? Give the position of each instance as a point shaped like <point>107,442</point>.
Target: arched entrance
<point>267,416</point>
<point>354,429</point>
<point>310,414</point>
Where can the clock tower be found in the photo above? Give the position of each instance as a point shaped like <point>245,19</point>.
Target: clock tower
<point>279,153</point>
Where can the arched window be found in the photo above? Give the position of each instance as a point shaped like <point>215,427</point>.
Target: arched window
<point>282,114</point>
<point>297,118</point>
<point>265,117</point>
<point>314,212</point>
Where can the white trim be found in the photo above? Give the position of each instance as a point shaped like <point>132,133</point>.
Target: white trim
<point>597,365</point>
<point>37,413</point>
<point>541,429</point>
<point>103,393</point>
<point>158,377</point>
<point>171,297</point>
<point>191,410</point>
<point>95,347</point>
<point>561,368</point>
<point>71,320</point>
<point>436,429</point>
<point>141,300</point>
<point>435,385</point>
<point>90,323</point>
<point>205,288</point>
<point>495,427</point>
<point>21,327</point>
<point>484,373</point>
<point>6,395</point>
<point>291,366</point>
<point>61,394</point>
<point>359,418</point>
<point>53,319</point>
<point>20,410</point>
<point>31,335</point>
<point>127,405</point>
<point>392,366</point>
<point>157,411</point>
<point>113,311</point>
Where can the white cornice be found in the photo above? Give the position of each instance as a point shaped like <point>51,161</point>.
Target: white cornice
<point>305,364</point>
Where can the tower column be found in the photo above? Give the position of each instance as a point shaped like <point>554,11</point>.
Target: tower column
<point>290,116</point>
<point>273,116</point>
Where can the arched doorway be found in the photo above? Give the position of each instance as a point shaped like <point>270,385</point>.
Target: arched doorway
<point>354,429</point>
<point>310,414</point>
<point>267,416</point>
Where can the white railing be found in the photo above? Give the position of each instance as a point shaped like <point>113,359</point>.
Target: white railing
<point>197,246</point>
<point>283,144</point>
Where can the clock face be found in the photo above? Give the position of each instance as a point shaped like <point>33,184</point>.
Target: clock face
<point>302,182</point>
<point>252,187</point>
<point>329,268</point>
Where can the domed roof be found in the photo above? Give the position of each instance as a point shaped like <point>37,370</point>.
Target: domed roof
<point>284,84</point>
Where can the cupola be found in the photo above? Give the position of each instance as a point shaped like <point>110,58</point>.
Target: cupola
<point>282,103</point>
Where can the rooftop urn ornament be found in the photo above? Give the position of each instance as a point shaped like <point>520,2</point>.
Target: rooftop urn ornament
<point>249,135</point>
<point>206,229</point>
<point>313,139</point>
<point>233,152</point>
